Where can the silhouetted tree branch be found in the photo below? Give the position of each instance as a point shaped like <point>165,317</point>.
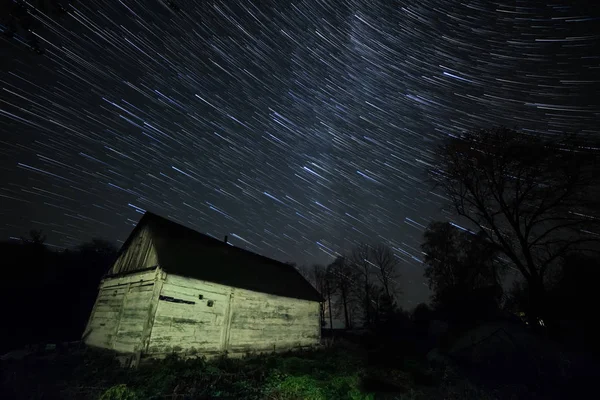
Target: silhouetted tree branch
<point>458,261</point>
<point>340,274</point>
<point>525,192</point>
<point>386,268</point>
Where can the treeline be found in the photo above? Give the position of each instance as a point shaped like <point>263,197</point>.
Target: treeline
<point>526,206</point>
<point>523,240</point>
<point>46,295</point>
<point>361,287</point>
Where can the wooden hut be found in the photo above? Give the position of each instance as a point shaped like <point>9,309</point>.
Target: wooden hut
<point>173,289</point>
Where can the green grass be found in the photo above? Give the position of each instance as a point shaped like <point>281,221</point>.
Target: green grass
<point>335,373</point>
<point>314,375</point>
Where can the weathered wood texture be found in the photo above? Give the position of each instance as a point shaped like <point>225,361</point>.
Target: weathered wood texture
<point>120,312</point>
<point>158,313</point>
<point>186,323</point>
<point>139,254</point>
<point>262,322</point>
<point>238,320</point>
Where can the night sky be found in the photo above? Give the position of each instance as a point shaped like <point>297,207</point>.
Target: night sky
<point>298,129</point>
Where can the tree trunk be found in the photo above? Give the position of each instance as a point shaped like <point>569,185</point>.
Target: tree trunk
<point>322,313</point>
<point>330,314</point>
<point>367,305</point>
<point>345,304</point>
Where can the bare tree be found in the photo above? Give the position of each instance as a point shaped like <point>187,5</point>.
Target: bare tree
<point>327,283</point>
<point>36,237</point>
<point>362,267</point>
<point>306,272</point>
<point>342,281</point>
<point>323,280</point>
<point>325,286</point>
<point>458,261</point>
<point>386,268</point>
<point>532,196</point>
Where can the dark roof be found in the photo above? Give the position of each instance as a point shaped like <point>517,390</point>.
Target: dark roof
<point>183,251</point>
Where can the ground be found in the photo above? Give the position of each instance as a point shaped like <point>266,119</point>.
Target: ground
<point>344,370</point>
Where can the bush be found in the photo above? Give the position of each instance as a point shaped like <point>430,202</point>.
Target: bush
<point>346,387</point>
<point>284,387</point>
<point>120,392</point>
<point>305,387</point>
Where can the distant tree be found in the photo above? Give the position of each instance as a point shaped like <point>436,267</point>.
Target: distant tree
<point>88,263</point>
<point>304,270</point>
<point>322,281</point>
<point>341,277</point>
<point>96,256</point>
<point>386,268</point>
<point>386,308</point>
<point>36,237</point>
<point>36,257</point>
<point>377,302</point>
<point>532,196</point>
<point>361,268</point>
<point>328,285</point>
<point>101,247</point>
<point>457,261</point>
<point>325,286</point>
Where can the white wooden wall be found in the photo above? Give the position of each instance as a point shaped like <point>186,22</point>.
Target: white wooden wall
<point>186,327</point>
<point>158,313</point>
<point>263,322</point>
<point>239,321</point>
<point>122,310</point>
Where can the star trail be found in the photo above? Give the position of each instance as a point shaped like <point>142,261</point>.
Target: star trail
<point>296,128</point>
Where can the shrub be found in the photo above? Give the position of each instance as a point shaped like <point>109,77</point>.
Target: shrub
<point>346,387</point>
<point>297,365</point>
<point>119,392</point>
<point>282,386</point>
<point>285,387</point>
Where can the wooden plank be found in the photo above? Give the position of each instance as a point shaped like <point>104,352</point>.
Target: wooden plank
<point>193,294</point>
<point>104,318</point>
<point>224,337</point>
<point>253,295</point>
<point>266,334</point>
<point>147,331</point>
<point>179,337</point>
<point>140,253</point>
<point>142,287</point>
<point>133,318</point>
<point>120,305</point>
<point>242,322</point>
<point>188,310</point>
<point>98,338</point>
<point>112,344</point>
<point>102,323</point>
<point>196,283</point>
<point>123,281</point>
<point>274,344</point>
<point>198,331</point>
<point>260,321</point>
<point>188,326</point>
